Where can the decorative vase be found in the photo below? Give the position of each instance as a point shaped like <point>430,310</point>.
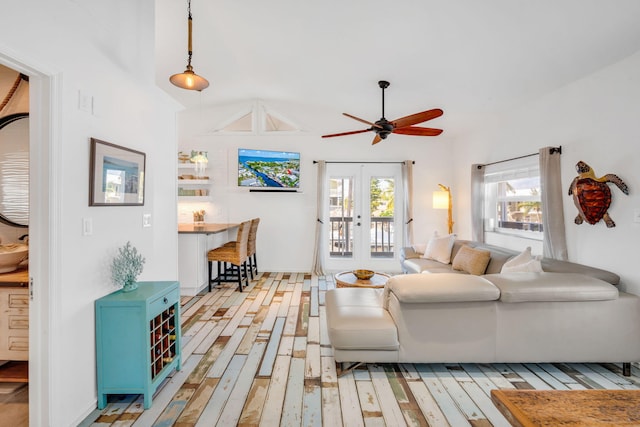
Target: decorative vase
<point>130,285</point>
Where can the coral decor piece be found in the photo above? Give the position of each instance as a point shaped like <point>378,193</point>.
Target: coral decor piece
<point>126,267</point>
<point>592,195</point>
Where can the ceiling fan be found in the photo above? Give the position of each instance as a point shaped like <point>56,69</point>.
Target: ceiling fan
<point>403,125</point>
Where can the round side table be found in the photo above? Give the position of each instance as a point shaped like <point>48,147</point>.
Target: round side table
<point>347,279</point>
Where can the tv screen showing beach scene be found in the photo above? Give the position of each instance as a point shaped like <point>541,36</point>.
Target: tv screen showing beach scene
<point>268,169</point>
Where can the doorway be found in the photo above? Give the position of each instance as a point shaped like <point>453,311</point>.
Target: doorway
<point>363,212</point>
<point>44,227</point>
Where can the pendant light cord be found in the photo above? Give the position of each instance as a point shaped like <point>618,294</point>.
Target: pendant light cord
<point>190,23</point>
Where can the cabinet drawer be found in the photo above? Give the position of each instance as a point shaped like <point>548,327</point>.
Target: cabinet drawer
<point>18,322</point>
<point>18,343</point>
<point>164,302</point>
<point>19,300</point>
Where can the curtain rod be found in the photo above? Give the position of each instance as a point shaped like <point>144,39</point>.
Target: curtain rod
<point>339,161</point>
<point>552,150</point>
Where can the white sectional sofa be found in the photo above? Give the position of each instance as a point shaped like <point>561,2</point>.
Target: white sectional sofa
<point>567,313</point>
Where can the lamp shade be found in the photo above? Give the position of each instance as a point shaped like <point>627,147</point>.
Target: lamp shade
<point>441,200</point>
<point>189,80</point>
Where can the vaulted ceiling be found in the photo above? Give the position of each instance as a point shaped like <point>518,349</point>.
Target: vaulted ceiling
<point>464,56</point>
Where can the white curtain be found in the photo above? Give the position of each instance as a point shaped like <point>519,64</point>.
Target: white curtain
<point>554,240</point>
<point>407,185</point>
<point>320,240</point>
<point>477,202</point>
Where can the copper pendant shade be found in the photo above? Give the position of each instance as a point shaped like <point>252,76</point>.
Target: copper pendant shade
<point>189,79</point>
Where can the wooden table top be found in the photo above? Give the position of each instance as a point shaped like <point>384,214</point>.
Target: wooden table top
<point>347,279</point>
<point>561,408</point>
<point>206,228</point>
<point>19,277</point>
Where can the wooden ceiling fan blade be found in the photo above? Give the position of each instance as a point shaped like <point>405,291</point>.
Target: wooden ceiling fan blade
<point>414,130</point>
<point>362,120</point>
<point>346,133</point>
<point>376,139</point>
<point>417,118</point>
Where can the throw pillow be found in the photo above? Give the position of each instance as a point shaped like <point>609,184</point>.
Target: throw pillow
<point>534,266</point>
<point>524,262</point>
<point>439,248</point>
<point>419,247</point>
<point>472,261</point>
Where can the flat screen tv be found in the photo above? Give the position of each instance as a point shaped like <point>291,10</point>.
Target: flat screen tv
<point>277,170</point>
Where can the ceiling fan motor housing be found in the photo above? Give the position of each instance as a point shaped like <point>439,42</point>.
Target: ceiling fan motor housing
<point>385,128</point>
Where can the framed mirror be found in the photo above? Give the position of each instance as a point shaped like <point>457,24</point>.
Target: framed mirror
<point>14,170</point>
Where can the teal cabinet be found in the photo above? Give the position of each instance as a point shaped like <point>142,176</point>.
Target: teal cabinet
<point>137,340</point>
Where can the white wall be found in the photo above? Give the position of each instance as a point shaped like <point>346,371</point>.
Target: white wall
<point>287,227</point>
<point>106,51</point>
<point>595,120</point>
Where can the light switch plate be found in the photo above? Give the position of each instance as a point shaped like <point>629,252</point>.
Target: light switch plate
<point>87,226</point>
<point>146,220</point>
<point>85,102</point>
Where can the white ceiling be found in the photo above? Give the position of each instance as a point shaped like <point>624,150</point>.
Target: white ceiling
<point>464,56</point>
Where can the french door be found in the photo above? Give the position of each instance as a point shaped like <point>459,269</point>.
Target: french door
<point>363,213</point>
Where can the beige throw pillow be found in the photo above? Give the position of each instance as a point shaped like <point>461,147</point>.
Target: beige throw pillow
<point>473,261</point>
<point>439,248</point>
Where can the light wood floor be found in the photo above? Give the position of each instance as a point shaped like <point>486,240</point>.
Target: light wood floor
<point>14,404</point>
<point>262,357</point>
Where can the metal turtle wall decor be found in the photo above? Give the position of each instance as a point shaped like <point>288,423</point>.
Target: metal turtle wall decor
<point>592,195</point>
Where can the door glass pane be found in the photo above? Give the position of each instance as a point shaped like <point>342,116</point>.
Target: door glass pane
<point>381,209</point>
<point>341,208</point>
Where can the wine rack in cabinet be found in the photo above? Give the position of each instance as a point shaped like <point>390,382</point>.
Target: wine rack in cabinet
<point>137,340</point>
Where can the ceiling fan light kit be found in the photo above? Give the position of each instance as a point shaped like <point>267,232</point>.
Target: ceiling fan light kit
<point>403,125</point>
<point>189,79</point>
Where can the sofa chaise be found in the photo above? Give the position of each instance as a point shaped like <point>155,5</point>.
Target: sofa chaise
<point>566,313</point>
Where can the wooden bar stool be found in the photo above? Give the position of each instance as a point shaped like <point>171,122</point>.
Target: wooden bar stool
<point>235,255</point>
<point>251,247</point>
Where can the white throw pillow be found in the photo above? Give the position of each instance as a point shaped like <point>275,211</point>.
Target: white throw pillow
<point>439,248</point>
<point>534,266</point>
<point>419,247</point>
<point>523,262</point>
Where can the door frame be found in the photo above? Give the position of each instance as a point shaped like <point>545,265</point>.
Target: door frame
<point>44,228</point>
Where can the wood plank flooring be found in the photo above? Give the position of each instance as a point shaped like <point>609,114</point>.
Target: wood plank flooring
<point>262,358</point>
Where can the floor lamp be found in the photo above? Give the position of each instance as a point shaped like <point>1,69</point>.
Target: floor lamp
<point>442,200</point>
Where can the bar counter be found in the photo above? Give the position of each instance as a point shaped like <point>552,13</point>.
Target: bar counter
<point>206,228</point>
<point>194,241</point>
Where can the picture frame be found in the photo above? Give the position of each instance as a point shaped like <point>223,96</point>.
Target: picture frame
<point>117,175</point>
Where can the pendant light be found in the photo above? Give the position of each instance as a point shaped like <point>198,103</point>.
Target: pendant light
<point>188,79</point>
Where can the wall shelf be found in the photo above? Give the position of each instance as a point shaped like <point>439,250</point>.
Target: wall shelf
<point>195,182</point>
<point>191,188</point>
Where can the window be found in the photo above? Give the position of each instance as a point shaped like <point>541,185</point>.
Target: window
<point>513,198</point>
